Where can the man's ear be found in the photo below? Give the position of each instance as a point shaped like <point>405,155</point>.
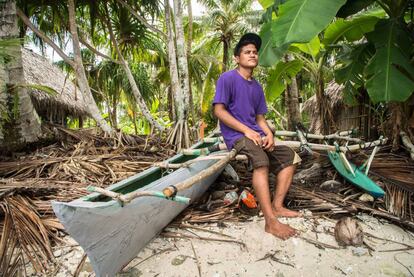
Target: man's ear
<point>236,59</point>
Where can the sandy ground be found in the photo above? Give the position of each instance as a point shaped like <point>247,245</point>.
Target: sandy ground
<point>264,255</point>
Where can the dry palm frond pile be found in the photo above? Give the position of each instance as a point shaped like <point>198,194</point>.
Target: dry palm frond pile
<point>318,187</point>
<point>60,171</point>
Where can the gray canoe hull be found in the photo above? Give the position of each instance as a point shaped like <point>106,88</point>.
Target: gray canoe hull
<point>112,235</point>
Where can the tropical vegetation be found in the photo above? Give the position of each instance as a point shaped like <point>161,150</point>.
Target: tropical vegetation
<point>151,66</point>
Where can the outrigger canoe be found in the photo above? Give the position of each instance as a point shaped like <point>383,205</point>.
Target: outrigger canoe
<point>112,233</point>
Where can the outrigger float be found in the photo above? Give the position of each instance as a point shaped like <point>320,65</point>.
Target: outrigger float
<point>112,225</point>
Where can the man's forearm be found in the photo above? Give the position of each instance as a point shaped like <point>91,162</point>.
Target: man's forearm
<point>224,116</point>
<point>261,121</point>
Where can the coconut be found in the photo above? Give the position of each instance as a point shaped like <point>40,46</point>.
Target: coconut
<point>348,232</point>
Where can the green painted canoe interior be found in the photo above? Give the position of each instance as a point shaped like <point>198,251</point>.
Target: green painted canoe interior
<point>146,178</point>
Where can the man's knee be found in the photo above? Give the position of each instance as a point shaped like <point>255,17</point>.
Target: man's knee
<point>289,169</point>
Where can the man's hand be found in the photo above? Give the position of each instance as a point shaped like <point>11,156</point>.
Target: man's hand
<point>254,136</point>
<point>268,142</point>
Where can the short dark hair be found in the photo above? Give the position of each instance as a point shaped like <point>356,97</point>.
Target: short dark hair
<point>248,38</point>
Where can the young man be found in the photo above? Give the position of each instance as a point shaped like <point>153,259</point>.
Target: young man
<point>240,106</point>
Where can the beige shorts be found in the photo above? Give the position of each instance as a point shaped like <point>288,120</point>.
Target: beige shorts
<point>281,157</point>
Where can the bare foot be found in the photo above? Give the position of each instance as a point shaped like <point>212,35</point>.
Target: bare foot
<point>280,230</point>
<point>284,212</point>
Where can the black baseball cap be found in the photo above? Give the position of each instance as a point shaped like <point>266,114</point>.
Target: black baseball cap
<point>248,38</point>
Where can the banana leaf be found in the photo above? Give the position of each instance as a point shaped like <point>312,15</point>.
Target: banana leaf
<point>280,77</point>
<point>302,20</point>
<point>388,72</point>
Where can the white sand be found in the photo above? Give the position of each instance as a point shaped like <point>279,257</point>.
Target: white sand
<point>230,259</point>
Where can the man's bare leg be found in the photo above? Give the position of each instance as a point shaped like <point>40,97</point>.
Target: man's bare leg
<point>261,187</point>
<point>283,182</point>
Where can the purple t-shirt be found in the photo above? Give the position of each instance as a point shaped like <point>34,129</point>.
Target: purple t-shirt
<point>243,99</point>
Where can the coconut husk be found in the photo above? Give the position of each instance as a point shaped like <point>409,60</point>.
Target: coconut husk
<point>348,232</point>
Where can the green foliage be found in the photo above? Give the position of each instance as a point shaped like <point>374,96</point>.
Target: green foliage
<point>298,21</point>
<point>386,71</point>
<point>269,54</point>
<point>311,48</point>
<point>226,21</point>
<point>389,69</point>
<point>280,77</point>
<point>147,88</point>
<point>131,122</point>
<point>351,72</point>
<point>351,30</point>
<point>302,20</point>
<point>208,90</point>
<point>9,48</point>
<point>266,3</point>
<point>35,87</point>
<point>351,7</point>
<point>353,63</point>
<point>10,113</point>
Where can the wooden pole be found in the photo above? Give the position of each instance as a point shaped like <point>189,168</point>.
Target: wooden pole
<point>304,142</point>
<point>315,146</point>
<point>131,196</point>
<point>170,190</point>
<point>314,136</point>
<point>203,158</point>
<point>371,158</point>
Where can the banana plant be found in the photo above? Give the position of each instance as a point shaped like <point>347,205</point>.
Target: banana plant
<point>387,76</point>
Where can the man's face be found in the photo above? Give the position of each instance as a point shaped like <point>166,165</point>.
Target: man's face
<point>248,56</point>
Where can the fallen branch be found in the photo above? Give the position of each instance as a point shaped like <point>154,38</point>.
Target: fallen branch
<point>196,258</point>
<point>398,249</point>
<point>275,259</point>
<point>80,266</point>
<point>188,226</point>
<point>389,240</point>
<point>319,244</point>
<point>149,257</point>
<point>183,236</point>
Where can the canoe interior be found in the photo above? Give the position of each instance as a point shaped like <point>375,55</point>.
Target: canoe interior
<point>144,178</point>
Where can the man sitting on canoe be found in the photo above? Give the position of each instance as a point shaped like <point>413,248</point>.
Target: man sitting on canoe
<point>240,106</point>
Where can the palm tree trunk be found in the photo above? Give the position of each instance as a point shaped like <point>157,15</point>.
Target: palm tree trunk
<point>114,110</point>
<point>292,104</point>
<point>182,60</point>
<point>226,45</point>
<point>80,73</point>
<point>135,90</point>
<point>179,76</point>
<point>189,43</point>
<point>397,123</point>
<point>292,101</point>
<point>134,119</point>
<point>80,125</point>
<point>22,123</point>
<point>172,58</point>
<point>325,114</point>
